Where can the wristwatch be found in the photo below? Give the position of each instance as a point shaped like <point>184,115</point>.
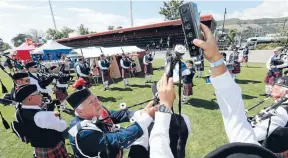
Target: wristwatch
<point>165,109</point>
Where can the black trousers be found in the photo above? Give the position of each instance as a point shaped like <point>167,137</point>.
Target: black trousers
<point>138,151</point>
<point>277,141</point>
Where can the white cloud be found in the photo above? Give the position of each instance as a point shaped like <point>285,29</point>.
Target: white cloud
<point>6,5</point>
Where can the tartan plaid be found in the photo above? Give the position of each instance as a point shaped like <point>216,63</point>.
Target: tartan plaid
<point>125,73</point>
<point>105,75</point>
<point>270,79</point>
<point>245,59</point>
<point>187,89</point>
<point>237,68</point>
<point>60,93</point>
<point>88,82</point>
<point>148,70</point>
<point>59,151</point>
<point>283,154</point>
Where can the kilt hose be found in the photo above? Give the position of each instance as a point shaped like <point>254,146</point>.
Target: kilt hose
<point>60,93</point>
<point>105,75</point>
<point>271,77</point>
<point>125,73</point>
<point>187,89</point>
<point>245,59</point>
<point>59,151</point>
<point>148,70</point>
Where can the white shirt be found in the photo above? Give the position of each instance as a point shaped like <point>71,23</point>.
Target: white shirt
<point>122,64</point>
<point>79,71</point>
<point>229,98</point>
<point>47,119</point>
<point>280,120</point>
<point>159,139</point>
<point>230,101</point>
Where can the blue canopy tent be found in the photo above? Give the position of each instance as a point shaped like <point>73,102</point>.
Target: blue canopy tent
<point>53,50</point>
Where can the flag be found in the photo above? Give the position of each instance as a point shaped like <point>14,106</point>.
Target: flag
<point>29,41</point>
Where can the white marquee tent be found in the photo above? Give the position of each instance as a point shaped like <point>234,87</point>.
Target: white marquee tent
<point>94,52</point>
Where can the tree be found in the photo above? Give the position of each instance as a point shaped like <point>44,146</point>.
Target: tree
<point>232,35</point>
<point>83,30</point>
<point>66,31</point>
<point>4,46</point>
<point>54,34</point>
<point>171,9</point>
<point>110,27</point>
<point>19,39</point>
<point>35,35</point>
<point>119,27</point>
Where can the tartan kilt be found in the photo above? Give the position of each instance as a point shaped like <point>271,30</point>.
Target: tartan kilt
<point>237,68</point>
<point>271,77</point>
<point>187,89</point>
<point>245,59</point>
<point>59,151</point>
<point>125,73</point>
<point>105,75</point>
<point>88,83</point>
<point>60,93</point>
<point>148,70</point>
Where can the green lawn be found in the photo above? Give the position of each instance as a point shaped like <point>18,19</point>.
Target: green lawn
<point>206,122</point>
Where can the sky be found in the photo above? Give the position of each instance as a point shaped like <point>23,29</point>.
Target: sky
<point>22,15</point>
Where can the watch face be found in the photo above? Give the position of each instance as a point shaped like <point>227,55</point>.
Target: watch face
<point>161,108</point>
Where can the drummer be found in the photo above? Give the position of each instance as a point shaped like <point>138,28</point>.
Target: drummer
<point>233,64</point>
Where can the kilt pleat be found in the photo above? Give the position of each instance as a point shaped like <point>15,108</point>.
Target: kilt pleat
<point>59,151</point>
<point>125,73</point>
<point>187,89</point>
<point>148,69</point>
<point>105,75</point>
<point>271,77</point>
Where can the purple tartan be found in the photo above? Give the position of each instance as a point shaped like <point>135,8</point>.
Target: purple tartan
<point>270,78</point>
<point>125,73</point>
<point>237,68</point>
<point>105,75</point>
<point>88,82</point>
<point>59,151</point>
<point>187,89</point>
<point>148,70</point>
<point>60,93</point>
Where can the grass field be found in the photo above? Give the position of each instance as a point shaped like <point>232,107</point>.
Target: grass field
<point>206,121</point>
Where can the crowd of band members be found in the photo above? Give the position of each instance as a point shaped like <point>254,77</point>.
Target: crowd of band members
<point>93,131</point>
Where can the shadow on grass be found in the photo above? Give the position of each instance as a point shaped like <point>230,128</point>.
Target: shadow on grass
<point>121,89</point>
<point>140,86</point>
<point>206,104</point>
<point>245,96</point>
<point>257,67</point>
<point>106,99</point>
<point>246,81</point>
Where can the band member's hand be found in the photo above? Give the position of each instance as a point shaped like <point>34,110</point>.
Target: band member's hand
<point>273,67</point>
<point>209,45</point>
<point>150,109</point>
<point>57,114</point>
<point>166,91</point>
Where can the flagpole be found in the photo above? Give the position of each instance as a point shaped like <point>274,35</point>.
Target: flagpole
<point>52,14</point>
<point>131,13</point>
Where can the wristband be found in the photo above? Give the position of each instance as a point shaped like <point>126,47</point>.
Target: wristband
<point>217,63</point>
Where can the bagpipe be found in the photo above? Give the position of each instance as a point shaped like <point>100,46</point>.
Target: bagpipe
<point>16,62</point>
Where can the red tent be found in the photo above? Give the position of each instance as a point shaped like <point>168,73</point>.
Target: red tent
<point>23,51</point>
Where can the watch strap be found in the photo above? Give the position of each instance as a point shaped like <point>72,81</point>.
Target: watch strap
<point>217,63</point>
